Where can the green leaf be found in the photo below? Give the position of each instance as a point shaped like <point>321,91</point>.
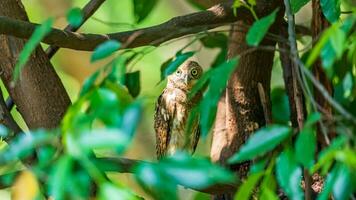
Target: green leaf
<point>252,2</point>
<point>142,8</point>
<point>132,82</point>
<point>155,182</point>
<point>103,139</point>
<point>259,29</point>
<point>24,144</point>
<point>339,181</point>
<point>214,40</point>
<point>171,66</point>
<point>337,40</point>
<point>305,147</point>
<point>246,189</point>
<point>280,108</point>
<point>297,5</point>
<point>319,46</point>
<point>40,32</point>
<point>202,173</point>
<point>75,17</point>
<point>218,81</point>
<point>161,179</point>
<point>89,83</point>
<point>131,118</point>
<point>113,192</point>
<point>331,9</point>
<point>105,49</point>
<point>289,175</point>
<point>58,180</point>
<point>347,85</point>
<point>261,142</point>
<point>326,156</point>
<point>312,119</point>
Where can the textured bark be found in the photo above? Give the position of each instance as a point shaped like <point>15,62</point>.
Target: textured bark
<point>319,24</point>
<point>39,94</point>
<point>240,111</point>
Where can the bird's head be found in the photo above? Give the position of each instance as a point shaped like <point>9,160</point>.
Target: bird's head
<point>185,76</point>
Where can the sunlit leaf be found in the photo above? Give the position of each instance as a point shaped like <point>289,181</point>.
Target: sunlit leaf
<point>75,17</point>
<point>105,49</point>
<point>155,182</point>
<point>110,191</point>
<point>246,189</point>
<point>23,145</point>
<point>259,29</point>
<point>289,175</point>
<point>261,142</point>
<point>162,178</point>
<point>252,2</point>
<point>59,178</point>
<point>40,32</point>
<point>202,173</point>
<point>104,139</point>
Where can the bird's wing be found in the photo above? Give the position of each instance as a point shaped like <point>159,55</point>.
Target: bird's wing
<point>162,121</point>
<point>196,129</point>
<point>195,138</point>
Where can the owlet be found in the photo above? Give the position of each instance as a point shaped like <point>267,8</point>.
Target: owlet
<point>172,111</point>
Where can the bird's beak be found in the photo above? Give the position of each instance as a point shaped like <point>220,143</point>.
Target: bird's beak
<point>186,79</point>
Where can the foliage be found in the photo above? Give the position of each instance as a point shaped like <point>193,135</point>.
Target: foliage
<point>72,161</point>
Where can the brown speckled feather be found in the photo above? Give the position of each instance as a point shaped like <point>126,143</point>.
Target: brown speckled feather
<point>162,126</point>
<point>172,111</point>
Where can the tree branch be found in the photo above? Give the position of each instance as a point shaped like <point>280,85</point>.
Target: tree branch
<point>176,27</point>
<point>7,119</point>
<point>87,12</point>
<point>125,165</point>
<point>90,8</point>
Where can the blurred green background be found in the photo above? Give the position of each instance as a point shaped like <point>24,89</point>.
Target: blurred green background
<point>114,16</point>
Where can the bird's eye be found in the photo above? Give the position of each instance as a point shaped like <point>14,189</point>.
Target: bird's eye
<point>194,72</point>
<point>178,72</point>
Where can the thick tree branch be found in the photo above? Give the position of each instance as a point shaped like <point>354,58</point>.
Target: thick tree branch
<point>7,119</point>
<point>176,27</point>
<point>39,94</point>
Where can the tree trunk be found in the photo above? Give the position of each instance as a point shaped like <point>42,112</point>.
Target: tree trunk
<point>39,93</point>
<point>240,111</point>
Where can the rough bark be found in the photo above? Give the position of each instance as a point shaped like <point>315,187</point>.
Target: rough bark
<point>319,24</point>
<point>39,94</point>
<point>240,111</point>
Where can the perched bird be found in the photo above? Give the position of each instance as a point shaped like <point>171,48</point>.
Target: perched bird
<point>172,111</point>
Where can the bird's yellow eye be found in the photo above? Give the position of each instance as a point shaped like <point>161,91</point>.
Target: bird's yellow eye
<point>194,72</point>
<point>178,72</point>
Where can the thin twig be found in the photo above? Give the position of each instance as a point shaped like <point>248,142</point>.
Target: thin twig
<point>297,97</point>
